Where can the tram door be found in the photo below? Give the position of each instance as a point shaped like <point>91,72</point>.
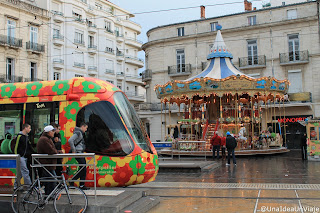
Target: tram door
<point>39,115</point>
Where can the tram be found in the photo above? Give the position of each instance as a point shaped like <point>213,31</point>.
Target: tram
<point>124,152</point>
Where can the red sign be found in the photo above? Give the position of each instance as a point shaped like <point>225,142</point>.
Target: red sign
<point>291,120</point>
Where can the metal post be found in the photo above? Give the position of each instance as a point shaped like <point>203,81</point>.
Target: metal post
<point>161,121</point>
<point>190,117</point>
<point>95,178</point>
<point>252,119</point>
<point>165,119</point>
<point>284,119</point>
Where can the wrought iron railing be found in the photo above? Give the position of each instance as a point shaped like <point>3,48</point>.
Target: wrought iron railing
<point>58,36</point>
<point>146,75</point>
<point>109,30</point>
<point>77,19</point>
<point>134,39</point>
<point>57,13</point>
<point>91,46</point>
<point>156,107</point>
<point>135,58</point>
<point>109,71</point>
<point>135,94</point>
<point>179,69</point>
<point>10,78</point>
<point>118,34</point>
<point>32,79</point>
<point>109,50</point>
<point>291,57</point>
<point>119,53</point>
<point>92,25</point>
<point>92,68</point>
<point>35,46</point>
<point>252,61</point>
<point>76,41</point>
<point>58,61</point>
<point>81,65</point>
<point>120,74</point>
<point>11,41</point>
<point>84,1</point>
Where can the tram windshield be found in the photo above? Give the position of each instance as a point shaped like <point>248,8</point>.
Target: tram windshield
<point>106,133</point>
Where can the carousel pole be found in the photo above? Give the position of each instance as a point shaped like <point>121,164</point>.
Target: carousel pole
<point>260,117</point>
<point>165,119</point>
<point>221,108</point>
<point>236,111</point>
<point>169,117</point>
<point>274,114</point>
<point>266,112</point>
<point>252,119</point>
<point>190,117</point>
<point>284,119</point>
<point>161,120</point>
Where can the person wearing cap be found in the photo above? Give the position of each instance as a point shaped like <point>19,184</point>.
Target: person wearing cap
<point>215,142</point>
<point>45,146</point>
<point>231,144</point>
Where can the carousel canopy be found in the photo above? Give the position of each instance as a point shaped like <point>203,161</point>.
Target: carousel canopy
<point>220,77</point>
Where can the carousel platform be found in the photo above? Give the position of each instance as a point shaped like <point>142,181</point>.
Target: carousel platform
<point>248,152</point>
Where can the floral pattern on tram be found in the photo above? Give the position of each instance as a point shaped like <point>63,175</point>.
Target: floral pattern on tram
<point>138,166</point>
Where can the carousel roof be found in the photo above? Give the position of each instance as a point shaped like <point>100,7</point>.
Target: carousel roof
<point>219,61</point>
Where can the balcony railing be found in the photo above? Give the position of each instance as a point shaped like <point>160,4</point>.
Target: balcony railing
<point>134,39</point>
<point>118,34</point>
<point>58,61</point>
<point>57,13</point>
<point>10,78</point>
<point>77,19</point>
<point>81,65</point>
<point>180,69</point>
<point>35,46</point>
<point>146,75</point>
<point>294,57</point>
<point>92,25</point>
<point>109,50</point>
<point>120,74</point>
<point>109,71</point>
<point>10,41</point>
<point>76,41</point>
<point>155,106</point>
<point>91,46</point>
<point>255,61</point>
<point>32,79</point>
<point>84,1</point>
<point>135,95</point>
<point>92,68</point>
<point>58,36</point>
<point>135,58</point>
<point>109,30</point>
<point>119,53</point>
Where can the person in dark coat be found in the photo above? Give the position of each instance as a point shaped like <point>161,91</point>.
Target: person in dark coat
<point>303,145</point>
<point>45,146</point>
<point>175,132</point>
<point>215,142</point>
<point>231,144</point>
<point>57,143</point>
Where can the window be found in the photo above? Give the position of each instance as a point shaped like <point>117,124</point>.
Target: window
<point>252,20</point>
<point>252,52</point>
<point>78,75</point>
<point>78,37</point>
<point>292,14</point>
<point>90,41</point>
<point>108,26</point>
<point>78,57</point>
<point>181,61</point>
<point>11,25</point>
<point>99,6</point>
<point>106,133</point>
<point>10,70</point>
<point>56,76</point>
<point>295,78</point>
<point>56,31</point>
<point>254,75</point>
<point>77,15</point>
<point>34,34</point>
<point>11,119</point>
<point>33,71</point>
<point>117,31</point>
<point>294,47</point>
<point>109,45</point>
<point>109,65</point>
<point>213,26</point>
<point>180,31</point>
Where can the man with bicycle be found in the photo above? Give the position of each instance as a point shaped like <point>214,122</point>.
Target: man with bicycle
<point>77,145</point>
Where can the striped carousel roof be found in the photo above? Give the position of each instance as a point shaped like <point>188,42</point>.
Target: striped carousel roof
<point>219,61</point>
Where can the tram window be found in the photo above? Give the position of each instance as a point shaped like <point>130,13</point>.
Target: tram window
<point>10,119</point>
<point>132,121</point>
<point>106,133</point>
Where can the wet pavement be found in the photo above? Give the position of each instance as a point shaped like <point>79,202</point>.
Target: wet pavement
<point>271,183</point>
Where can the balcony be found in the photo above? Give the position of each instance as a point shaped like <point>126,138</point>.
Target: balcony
<point>58,39</point>
<point>133,42</point>
<point>57,16</point>
<point>58,63</point>
<point>109,71</point>
<point>120,75</point>
<point>79,20</point>
<point>132,25</point>
<point>134,96</point>
<point>92,70</point>
<point>134,79</point>
<point>120,56</point>
<point>119,36</point>
<point>32,79</point>
<point>135,61</point>
<point>35,47</point>
<point>84,1</point>
<point>79,42</point>
<point>293,58</point>
<point>155,107</point>
<point>146,75</point>
<point>10,41</point>
<point>92,49</point>
<point>109,31</point>
<point>179,70</point>
<point>92,28</point>
<point>252,62</point>
<point>79,65</point>
<point>109,50</point>
<point>10,78</point>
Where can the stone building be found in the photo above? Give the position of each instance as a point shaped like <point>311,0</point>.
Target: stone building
<point>23,42</point>
<point>281,41</point>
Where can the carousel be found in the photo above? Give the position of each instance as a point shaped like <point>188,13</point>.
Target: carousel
<point>219,99</point>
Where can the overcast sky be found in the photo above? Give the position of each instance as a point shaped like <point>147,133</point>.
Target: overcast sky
<point>151,20</point>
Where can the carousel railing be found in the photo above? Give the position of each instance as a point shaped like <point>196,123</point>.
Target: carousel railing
<point>192,149</point>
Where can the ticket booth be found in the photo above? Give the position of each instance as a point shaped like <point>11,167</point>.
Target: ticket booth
<point>313,129</point>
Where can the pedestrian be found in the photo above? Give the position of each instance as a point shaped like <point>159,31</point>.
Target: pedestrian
<point>231,144</point>
<point>57,143</point>
<point>303,145</point>
<point>24,150</point>
<point>45,146</point>
<point>215,142</point>
<point>176,132</point>
<point>223,147</point>
<point>77,145</point>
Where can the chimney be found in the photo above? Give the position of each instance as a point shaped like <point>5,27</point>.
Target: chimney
<point>247,5</point>
<point>203,12</point>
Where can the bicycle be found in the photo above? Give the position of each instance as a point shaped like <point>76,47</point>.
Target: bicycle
<point>31,199</point>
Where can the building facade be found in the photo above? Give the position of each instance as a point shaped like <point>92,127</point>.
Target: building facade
<point>95,39</point>
<point>23,42</point>
<point>282,42</point>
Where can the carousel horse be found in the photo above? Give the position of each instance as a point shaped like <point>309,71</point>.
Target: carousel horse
<point>241,137</point>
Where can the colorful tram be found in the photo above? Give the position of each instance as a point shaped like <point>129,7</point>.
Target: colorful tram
<point>124,153</point>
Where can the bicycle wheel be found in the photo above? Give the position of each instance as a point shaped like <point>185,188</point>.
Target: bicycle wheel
<point>24,200</point>
<point>77,203</point>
